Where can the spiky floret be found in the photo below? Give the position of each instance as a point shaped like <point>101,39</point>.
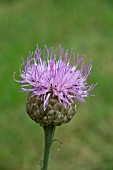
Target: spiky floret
<point>48,74</point>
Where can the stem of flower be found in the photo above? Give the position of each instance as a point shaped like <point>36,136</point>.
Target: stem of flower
<point>49,134</point>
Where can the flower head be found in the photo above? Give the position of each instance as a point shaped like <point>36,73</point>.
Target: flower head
<point>61,76</point>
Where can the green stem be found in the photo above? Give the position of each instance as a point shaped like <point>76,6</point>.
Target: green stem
<point>49,134</point>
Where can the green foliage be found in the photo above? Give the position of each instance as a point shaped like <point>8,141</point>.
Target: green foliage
<point>85,26</point>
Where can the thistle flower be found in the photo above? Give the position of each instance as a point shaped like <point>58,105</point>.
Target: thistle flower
<point>54,83</point>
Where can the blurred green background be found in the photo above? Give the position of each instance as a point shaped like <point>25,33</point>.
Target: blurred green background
<point>86,26</point>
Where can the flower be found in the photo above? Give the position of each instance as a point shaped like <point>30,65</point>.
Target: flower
<point>49,75</point>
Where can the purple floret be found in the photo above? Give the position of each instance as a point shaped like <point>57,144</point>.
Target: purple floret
<point>47,74</point>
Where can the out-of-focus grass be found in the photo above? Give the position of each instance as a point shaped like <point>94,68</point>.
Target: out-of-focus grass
<point>87,27</point>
